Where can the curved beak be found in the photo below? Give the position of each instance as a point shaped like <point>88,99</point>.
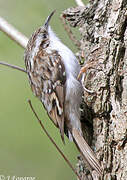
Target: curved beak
<point>46,24</point>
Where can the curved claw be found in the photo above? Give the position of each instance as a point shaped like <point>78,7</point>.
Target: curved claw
<point>85,68</point>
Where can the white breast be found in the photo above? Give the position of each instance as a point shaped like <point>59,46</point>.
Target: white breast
<point>73,95</point>
<point>71,64</point>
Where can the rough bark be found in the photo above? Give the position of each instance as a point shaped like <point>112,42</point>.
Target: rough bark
<point>102,24</point>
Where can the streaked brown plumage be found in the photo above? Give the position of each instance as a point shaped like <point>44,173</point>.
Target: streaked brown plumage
<point>53,69</point>
<point>47,82</point>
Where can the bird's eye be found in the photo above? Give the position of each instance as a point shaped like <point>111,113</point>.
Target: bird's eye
<point>44,36</point>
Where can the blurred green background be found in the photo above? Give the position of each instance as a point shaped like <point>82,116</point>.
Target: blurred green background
<point>24,148</point>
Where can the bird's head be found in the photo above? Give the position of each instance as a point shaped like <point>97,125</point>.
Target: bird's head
<point>39,39</point>
<point>43,32</point>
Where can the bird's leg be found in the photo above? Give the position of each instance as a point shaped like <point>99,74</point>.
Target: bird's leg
<point>84,70</point>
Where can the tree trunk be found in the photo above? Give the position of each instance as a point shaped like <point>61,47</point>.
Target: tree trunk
<point>102,24</point>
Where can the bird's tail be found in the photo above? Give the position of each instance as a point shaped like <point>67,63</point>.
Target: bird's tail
<point>86,151</point>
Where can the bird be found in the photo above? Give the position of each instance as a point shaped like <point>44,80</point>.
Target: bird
<point>53,73</point>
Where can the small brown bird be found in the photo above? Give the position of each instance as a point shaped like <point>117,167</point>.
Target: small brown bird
<point>53,69</point>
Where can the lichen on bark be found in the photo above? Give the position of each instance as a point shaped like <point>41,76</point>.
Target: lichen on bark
<point>103,28</point>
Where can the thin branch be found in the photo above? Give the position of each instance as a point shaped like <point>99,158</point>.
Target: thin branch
<point>79,3</point>
<point>13,33</point>
<point>13,66</point>
<point>69,32</point>
<point>52,141</point>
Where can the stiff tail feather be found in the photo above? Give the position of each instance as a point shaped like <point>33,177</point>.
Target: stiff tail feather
<point>86,151</point>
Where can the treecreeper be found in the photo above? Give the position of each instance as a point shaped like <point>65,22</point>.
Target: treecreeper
<point>52,70</point>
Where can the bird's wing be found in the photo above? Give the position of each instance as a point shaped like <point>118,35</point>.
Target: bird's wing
<point>47,81</point>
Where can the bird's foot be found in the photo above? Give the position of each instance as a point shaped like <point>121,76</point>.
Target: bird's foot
<point>84,70</point>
